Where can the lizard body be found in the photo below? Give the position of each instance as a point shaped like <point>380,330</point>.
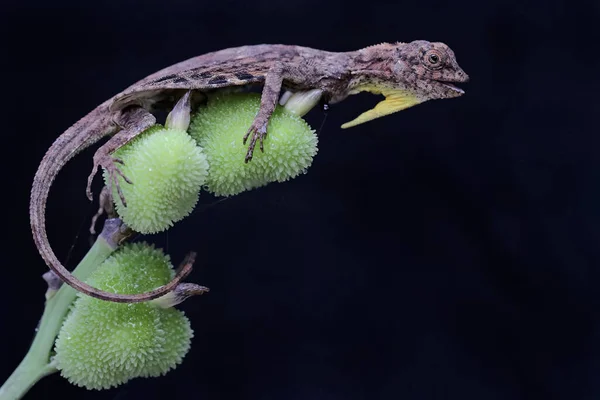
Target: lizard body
<point>405,73</point>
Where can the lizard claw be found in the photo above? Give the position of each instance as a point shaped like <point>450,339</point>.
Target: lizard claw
<point>109,164</point>
<point>258,133</point>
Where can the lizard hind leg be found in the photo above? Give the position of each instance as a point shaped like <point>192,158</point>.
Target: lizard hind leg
<point>133,122</point>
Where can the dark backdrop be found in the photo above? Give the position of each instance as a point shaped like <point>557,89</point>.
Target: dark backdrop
<point>445,252</point>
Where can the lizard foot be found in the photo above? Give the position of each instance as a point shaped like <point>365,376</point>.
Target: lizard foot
<point>109,163</point>
<point>106,206</point>
<point>258,130</point>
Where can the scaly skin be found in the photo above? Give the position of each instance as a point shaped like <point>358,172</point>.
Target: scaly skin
<point>405,73</point>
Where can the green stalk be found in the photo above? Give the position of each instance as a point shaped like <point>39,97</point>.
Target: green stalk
<point>37,363</point>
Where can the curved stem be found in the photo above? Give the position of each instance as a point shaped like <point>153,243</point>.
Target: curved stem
<point>31,370</point>
<point>37,362</point>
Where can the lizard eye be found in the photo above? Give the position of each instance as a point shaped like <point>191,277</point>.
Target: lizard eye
<point>433,59</point>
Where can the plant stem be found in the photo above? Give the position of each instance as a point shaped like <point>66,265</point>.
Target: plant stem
<point>37,363</point>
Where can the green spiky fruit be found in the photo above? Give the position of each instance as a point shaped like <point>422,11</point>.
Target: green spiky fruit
<point>104,344</point>
<point>219,127</point>
<point>167,169</point>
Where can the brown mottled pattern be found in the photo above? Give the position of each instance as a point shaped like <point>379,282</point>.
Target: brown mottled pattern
<point>422,68</point>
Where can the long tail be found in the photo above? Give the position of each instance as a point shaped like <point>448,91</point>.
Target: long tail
<point>83,134</point>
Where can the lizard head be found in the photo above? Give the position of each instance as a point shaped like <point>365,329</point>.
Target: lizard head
<point>428,70</point>
<point>407,74</point>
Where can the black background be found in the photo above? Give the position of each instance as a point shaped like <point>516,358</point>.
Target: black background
<point>445,252</point>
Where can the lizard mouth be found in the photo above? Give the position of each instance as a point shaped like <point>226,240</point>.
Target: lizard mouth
<point>451,86</point>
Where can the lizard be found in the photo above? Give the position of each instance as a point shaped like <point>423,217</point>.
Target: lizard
<point>406,74</point>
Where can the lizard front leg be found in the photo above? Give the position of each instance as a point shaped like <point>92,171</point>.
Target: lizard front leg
<point>133,122</point>
<point>268,101</point>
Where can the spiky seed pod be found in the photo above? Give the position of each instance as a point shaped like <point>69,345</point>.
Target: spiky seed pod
<point>167,169</point>
<point>290,145</point>
<point>104,344</point>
